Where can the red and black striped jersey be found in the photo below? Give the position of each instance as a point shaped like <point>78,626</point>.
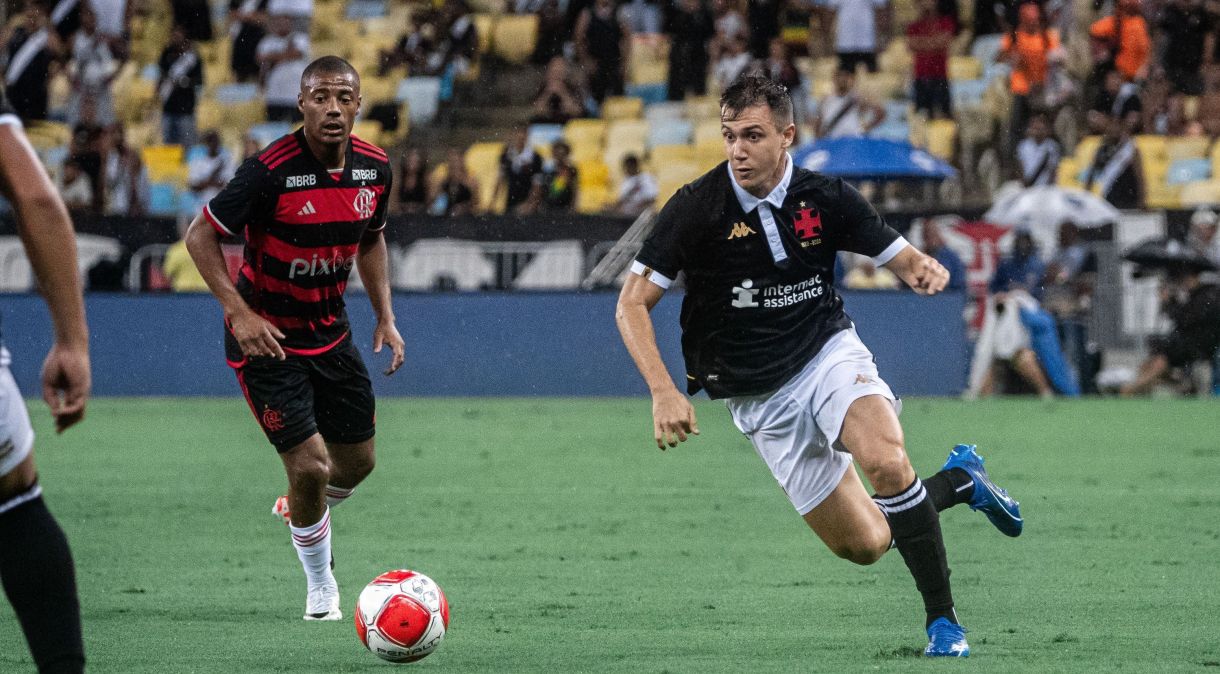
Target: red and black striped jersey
<point>303,225</point>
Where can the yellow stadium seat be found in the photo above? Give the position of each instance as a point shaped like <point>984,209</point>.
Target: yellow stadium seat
<point>965,68</point>
<point>700,108</point>
<point>1151,146</point>
<point>377,90</point>
<point>1200,193</point>
<point>707,157</point>
<point>1186,147</point>
<point>1086,149</point>
<point>514,37</point>
<point>1162,195</point>
<point>484,156</point>
<point>585,132</point>
<point>593,199</point>
<point>1068,173</point>
<point>942,138</point>
<point>209,114</point>
<point>708,134</point>
<point>484,25</point>
<point>663,155</point>
<point>163,154</point>
<point>671,177</point>
<point>645,71</point>
<point>369,130</point>
<point>880,86</point>
<point>622,107</point>
<point>628,135</point>
<point>1190,108</point>
<point>593,173</point>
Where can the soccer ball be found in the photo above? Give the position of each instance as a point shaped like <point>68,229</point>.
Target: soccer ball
<point>402,616</point>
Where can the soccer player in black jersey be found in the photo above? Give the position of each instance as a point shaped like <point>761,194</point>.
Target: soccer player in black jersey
<point>312,205</point>
<point>764,329</point>
<point>35,562</point>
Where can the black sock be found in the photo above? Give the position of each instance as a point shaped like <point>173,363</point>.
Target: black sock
<point>915,526</point>
<point>949,488</point>
<point>38,577</point>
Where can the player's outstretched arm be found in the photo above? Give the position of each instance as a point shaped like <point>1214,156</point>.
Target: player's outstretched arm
<point>922,272</point>
<point>255,334</point>
<point>50,244</point>
<point>372,262</point>
<point>673,417</point>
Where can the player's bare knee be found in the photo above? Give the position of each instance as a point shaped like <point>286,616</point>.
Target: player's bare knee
<point>887,467</point>
<point>863,552</point>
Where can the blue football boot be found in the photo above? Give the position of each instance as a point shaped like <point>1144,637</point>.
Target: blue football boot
<point>946,640</point>
<point>1003,510</point>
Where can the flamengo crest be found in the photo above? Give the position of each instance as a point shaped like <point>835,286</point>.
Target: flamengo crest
<point>364,202</point>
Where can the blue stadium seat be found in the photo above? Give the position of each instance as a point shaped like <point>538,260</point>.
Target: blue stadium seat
<point>366,9</point>
<point>896,110</point>
<point>266,132</point>
<point>652,92</point>
<point>892,129</point>
<point>163,199</point>
<point>968,93</point>
<point>670,132</point>
<point>195,152</point>
<point>236,93</point>
<point>1184,171</point>
<point>985,48</point>
<point>422,96</point>
<point>664,111</point>
<point>542,135</point>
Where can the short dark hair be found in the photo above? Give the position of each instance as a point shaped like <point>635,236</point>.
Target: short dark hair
<point>329,65</point>
<point>750,90</point>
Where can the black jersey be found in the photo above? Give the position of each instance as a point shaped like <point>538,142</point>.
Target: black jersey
<point>303,226</point>
<point>750,322</point>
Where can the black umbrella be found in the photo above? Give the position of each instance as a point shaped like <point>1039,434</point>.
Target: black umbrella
<point>1168,254</point>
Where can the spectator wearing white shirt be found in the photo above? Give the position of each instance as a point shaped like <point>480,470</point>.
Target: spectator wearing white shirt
<point>732,62</point>
<point>209,172</point>
<point>1039,153</point>
<point>856,32</point>
<point>637,192</point>
<point>282,56</point>
<point>844,112</point>
<point>111,18</point>
<point>92,67</point>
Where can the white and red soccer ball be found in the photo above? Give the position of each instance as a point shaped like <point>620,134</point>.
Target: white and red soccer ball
<point>401,616</point>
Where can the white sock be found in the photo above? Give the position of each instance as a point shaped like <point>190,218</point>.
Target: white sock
<point>336,495</point>
<point>313,548</point>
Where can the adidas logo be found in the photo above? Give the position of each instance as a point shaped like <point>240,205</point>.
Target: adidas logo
<point>307,209</point>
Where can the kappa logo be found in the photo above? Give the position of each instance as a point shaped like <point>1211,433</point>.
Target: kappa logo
<point>744,294</point>
<point>364,202</point>
<point>740,230</point>
<point>307,209</point>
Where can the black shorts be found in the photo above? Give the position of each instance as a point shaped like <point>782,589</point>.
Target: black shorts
<point>294,398</point>
<point>848,60</point>
<point>932,96</point>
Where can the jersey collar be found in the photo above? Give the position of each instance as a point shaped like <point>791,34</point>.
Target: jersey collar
<point>776,198</point>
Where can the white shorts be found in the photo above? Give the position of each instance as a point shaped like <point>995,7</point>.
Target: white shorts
<point>796,429</point>
<point>16,434</point>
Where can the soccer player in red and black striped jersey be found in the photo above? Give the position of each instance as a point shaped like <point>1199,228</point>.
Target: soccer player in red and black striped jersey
<point>311,206</point>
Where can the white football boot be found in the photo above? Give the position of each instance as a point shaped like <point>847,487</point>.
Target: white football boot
<point>322,603</point>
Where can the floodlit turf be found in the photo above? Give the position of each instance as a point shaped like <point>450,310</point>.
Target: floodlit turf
<point>566,543</point>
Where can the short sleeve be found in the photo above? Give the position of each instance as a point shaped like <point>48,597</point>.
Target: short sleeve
<point>860,229</point>
<point>663,254</point>
<point>377,224</point>
<point>7,114</point>
<point>240,200</point>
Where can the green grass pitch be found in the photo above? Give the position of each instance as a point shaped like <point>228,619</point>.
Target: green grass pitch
<point>567,543</point>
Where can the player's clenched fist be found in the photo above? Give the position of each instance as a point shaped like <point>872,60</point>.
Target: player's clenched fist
<point>673,418</point>
<point>256,335</point>
<point>931,276</point>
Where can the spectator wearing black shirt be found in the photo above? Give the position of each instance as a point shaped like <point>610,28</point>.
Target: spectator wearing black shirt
<point>195,18</point>
<point>247,26</point>
<point>412,187</point>
<point>689,26</point>
<point>764,328</point>
<point>181,79</point>
<point>457,193</point>
<point>518,166</point>
<point>1185,25</point>
<point>603,44</point>
<point>1194,309</point>
<point>763,19</point>
<point>1117,168</point>
<point>555,188</point>
<point>552,33</point>
<point>31,45</point>
<point>1117,99</point>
